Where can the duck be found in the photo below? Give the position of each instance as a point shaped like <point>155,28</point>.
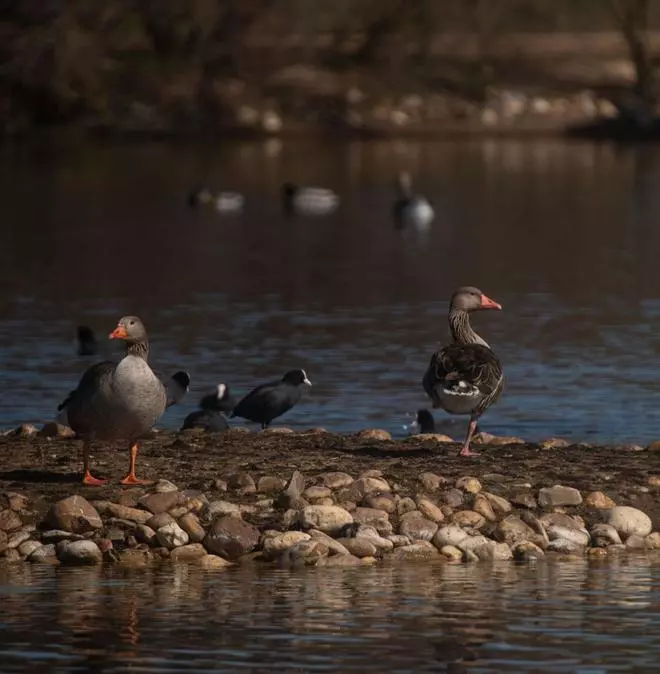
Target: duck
<point>223,202</point>
<point>211,415</point>
<point>272,400</point>
<point>308,200</point>
<point>424,421</point>
<point>465,377</point>
<point>120,401</point>
<point>87,344</point>
<point>411,210</point>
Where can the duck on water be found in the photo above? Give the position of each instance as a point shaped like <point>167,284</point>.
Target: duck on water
<point>466,376</point>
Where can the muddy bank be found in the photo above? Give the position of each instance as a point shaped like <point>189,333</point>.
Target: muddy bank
<point>325,499</point>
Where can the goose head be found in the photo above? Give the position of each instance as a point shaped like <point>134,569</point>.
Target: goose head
<point>131,329</point>
<point>469,298</point>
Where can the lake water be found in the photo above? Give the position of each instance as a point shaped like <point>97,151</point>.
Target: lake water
<point>554,617</point>
<point>564,235</point>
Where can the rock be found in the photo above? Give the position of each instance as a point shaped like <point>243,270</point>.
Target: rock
<point>512,530</point>
<point>73,513</point>
<point>275,545</point>
<point>562,519</point>
<point>526,551</point>
<point>26,548</point>
<point>483,438</point>
<point>398,540</point>
<point>340,560</point>
<point>363,486</point>
<point>627,520</point>
<point>384,501</point>
<point>43,553</point>
<point>290,519</point>
<point>158,521</point>
<point>231,537</point>
<point>316,492</point>
<point>507,440</point>
<point>11,556</point>
<point>453,497</point>
<point>373,434</point>
<point>9,521</point>
<point>451,553</point>
<point>604,535</point>
<point>57,535</point>
<point>14,501</point>
<point>328,519</point>
<point>80,552</point>
<point>636,542</point>
<point>159,502</point>
<point>499,505</point>
<point>382,544</point>
<point>551,497</point>
<point>335,479</point>
<point>333,545</point>
<point>378,519</point>
<point>419,551</point>
<point>146,534</point>
<point>430,510</point>
<point>213,562</point>
<point>191,525</point>
<point>482,505</point>
<point>242,483</point>
<point>522,497</point>
<point>220,484</point>
<point>468,484</point>
<point>52,429</point>
<point>468,518</point>
<point>431,481</point>
<point>270,484</point>
<point>25,431</point>
<point>188,553</point>
<point>653,541</point>
<point>579,537</point>
<point>172,536</point>
<point>292,494</point>
<point>13,540</point>
<point>163,486</point>
<point>417,527</point>
<point>220,509</point>
<point>565,547</point>
<point>596,499</point>
<point>449,535</point>
<point>492,551</point>
<point>123,512</point>
<point>469,544</point>
<point>133,558</point>
<point>303,553</point>
<point>405,505</point>
<point>359,547</point>
<point>554,443</point>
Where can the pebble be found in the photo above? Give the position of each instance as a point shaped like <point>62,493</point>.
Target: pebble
<point>431,481</point>
<point>231,537</point>
<point>597,499</point>
<point>579,537</point>
<point>220,509</point>
<point>453,497</point>
<point>269,484</point>
<point>468,484</point>
<point>527,551</point>
<point>242,483</point>
<point>341,560</point>
<point>419,551</point>
<point>162,486</point>
<point>499,504</point>
<point>161,520</point>
<point>405,505</point>
<point>332,544</point>
<point>335,479</point>
<point>482,505</point>
<point>627,520</point>
<point>43,553</point>
<point>80,552</point>
<point>275,545</point>
<point>604,535</point>
<point>171,536</point>
<point>15,539</point>
<point>9,521</point>
<point>559,495</point>
<point>359,547</point>
<point>159,502</point>
<point>291,496</point>
<point>653,541</point>
<point>512,530</point>
<point>378,519</point>
<point>75,514</point>
<point>451,553</point>
<point>191,525</point>
<point>381,501</point>
<point>373,434</point>
<point>382,544</point>
<point>328,519</point>
<point>123,512</point>
<point>523,497</point>
<point>468,518</point>
<point>430,510</point>
<point>449,535</point>
<point>188,553</point>
<point>146,534</point>
<point>316,492</point>
<point>213,562</point>
<point>26,548</point>
<point>417,527</point>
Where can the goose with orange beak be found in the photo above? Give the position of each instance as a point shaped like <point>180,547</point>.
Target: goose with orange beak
<point>465,377</point>
<point>120,401</point>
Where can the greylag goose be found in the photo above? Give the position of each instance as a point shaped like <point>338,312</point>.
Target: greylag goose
<point>120,401</point>
<point>308,200</point>
<point>211,415</point>
<point>411,209</point>
<point>223,202</point>
<point>271,400</point>
<point>87,345</point>
<point>465,377</point>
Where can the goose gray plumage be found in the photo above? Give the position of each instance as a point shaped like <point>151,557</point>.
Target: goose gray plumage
<point>120,401</point>
<point>465,377</point>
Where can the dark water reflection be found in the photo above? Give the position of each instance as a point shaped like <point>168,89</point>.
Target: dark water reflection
<point>555,617</point>
<point>564,235</point>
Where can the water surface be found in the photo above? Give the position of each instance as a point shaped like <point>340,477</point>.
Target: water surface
<point>564,235</point>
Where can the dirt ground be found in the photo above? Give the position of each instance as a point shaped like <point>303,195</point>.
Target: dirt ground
<point>50,468</point>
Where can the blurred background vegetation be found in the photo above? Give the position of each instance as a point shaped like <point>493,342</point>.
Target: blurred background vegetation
<point>191,66</point>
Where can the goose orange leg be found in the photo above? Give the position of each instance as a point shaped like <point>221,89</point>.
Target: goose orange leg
<point>88,478</point>
<point>466,451</point>
<point>130,478</point>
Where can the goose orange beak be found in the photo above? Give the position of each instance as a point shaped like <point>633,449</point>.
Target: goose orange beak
<point>487,303</point>
<point>118,333</point>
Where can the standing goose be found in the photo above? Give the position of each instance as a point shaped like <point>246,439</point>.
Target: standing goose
<point>120,401</point>
<point>410,209</point>
<point>465,377</point>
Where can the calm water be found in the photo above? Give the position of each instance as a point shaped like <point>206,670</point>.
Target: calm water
<point>562,617</point>
<point>564,235</point>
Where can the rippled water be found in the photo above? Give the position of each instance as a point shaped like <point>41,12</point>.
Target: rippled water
<point>555,617</point>
<point>564,235</point>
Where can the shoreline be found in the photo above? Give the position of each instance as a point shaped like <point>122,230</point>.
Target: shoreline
<point>323,499</point>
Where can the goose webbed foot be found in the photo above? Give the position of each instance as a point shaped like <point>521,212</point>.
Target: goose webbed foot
<point>466,451</point>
